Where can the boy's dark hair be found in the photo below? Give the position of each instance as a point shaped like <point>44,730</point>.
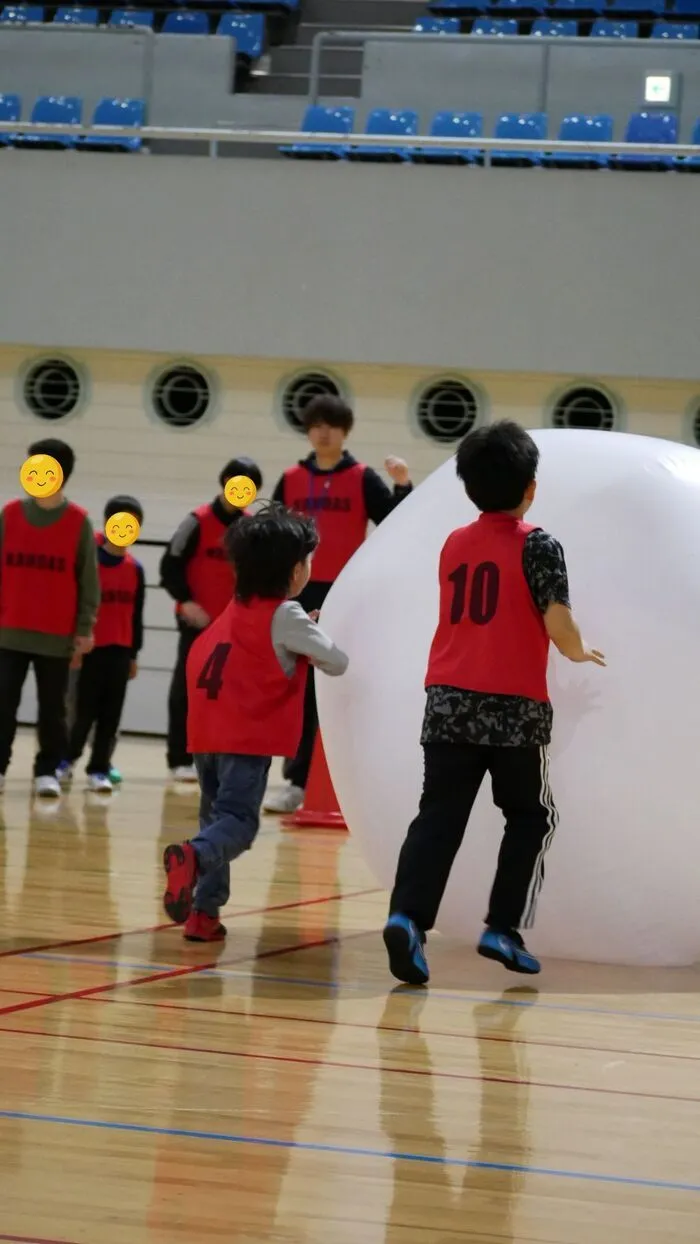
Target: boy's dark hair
<point>496,464</point>
<point>241,466</point>
<point>265,547</point>
<point>55,449</point>
<point>123,502</point>
<point>327,409</point>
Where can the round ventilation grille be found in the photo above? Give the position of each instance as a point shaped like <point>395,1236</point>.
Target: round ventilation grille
<point>299,392</point>
<point>181,396</point>
<point>446,410</point>
<point>52,389</point>
<point>584,408</point>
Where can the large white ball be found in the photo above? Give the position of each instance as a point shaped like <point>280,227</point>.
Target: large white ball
<point>623,873</point>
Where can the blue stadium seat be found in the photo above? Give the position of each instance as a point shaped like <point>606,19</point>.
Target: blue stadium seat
<point>604,28</point>
<point>517,8</point>
<point>184,22</point>
<point>437,26</point>
<point>689,164</point>
<point>685,8</point>
<point>458,8</point>
<point>52,110</point>
<point>495,26</point>
<point>267,6</point>
<point>21,14</point>
<point>451,125</point>
<point>648,127</point>
<point>320,120</point>
<point>121,112</point>
<point>132,17</point>
<point>675,30</point>
<point>635,8</point>
<point>576,8</point>
<point>581,129</point>
<point>248,29</point>
<point>547,28</point>
<point>391,123</point>
<point>10,110</point>
<point>519,125</point>
<point>74,15</point>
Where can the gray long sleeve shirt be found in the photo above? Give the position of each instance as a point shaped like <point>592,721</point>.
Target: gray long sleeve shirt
<point>294,634</point>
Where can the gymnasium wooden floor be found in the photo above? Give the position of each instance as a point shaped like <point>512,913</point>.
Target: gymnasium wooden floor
<point>275,1088</point>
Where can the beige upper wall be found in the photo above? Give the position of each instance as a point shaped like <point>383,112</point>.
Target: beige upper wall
<point>123,447</point>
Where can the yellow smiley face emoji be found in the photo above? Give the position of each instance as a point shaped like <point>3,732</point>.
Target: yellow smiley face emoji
<point>122,529</point>
<point>41,476</point>
<point>240,491</point>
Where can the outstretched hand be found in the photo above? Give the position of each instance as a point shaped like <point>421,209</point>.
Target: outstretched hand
<point>593,655</point>
<point>397,470</point>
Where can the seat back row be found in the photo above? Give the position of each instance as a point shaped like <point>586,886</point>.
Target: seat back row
<point>248,29</point>
<point>68,110</point>
<point>565,28</point>
<point>642,127</point>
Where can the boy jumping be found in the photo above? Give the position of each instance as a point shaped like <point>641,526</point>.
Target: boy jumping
<point>246,677</point>
<point>504,595</point>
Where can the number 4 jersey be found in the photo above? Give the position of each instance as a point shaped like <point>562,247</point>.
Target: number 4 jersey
<point>486,680</point>
<point>246,678</point>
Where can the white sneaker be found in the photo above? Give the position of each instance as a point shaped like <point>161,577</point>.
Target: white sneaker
<point>99,783</point>
<point>286,800</point>
<point>184,773</point>
<point>47,787</point>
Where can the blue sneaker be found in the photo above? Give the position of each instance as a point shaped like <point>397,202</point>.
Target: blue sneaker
<point>404,942</point>
<point>64,773</point>
<point>508,950</point>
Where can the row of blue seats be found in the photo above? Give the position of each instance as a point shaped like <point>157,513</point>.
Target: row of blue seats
<point>68,110</point>
<point>642,127</point>
<point>641,9</point>
<point>248,29</point>
<point>565,28</point>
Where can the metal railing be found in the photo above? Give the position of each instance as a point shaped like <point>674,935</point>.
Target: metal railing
<point>213,137</point>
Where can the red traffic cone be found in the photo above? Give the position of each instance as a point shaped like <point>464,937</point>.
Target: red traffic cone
<point>320,807</point>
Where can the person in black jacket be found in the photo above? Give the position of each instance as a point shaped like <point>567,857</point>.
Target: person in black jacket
<point>343,496</point>
<point>194,570</point>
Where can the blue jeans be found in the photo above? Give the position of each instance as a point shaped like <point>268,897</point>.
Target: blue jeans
<point>232,790</point>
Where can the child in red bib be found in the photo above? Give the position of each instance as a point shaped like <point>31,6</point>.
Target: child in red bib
<point>504,595</point>
<point>343,496</point>
<point>246,677</point>
<point>106,671</point>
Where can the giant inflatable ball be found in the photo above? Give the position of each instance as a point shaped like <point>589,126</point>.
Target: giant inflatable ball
<point>622,878</point>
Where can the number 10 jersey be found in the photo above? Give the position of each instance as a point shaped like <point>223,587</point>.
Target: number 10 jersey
<point>490,636</point>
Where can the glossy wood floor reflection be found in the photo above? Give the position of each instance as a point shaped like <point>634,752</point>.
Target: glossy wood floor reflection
<point>276,1089</point>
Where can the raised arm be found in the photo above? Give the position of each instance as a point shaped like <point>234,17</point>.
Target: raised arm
<point>547,576</point>
<point>294,634</point>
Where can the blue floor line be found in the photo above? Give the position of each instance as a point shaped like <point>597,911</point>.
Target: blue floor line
<point>350,1151</point>
<point>302,982</point>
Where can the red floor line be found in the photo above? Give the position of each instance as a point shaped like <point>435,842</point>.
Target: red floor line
<point>153,978</point>
<point>32,1239</point>
<point>158,928</point>
<point>402,1029</point>
<point>383,1069</point>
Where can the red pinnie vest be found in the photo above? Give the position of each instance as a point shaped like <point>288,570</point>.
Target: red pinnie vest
<point>239,700</point>
<point>209,573</point>
<point>118,587</point>
<point>335,500</point>
<point>38,585</point>
<point>490,636</point>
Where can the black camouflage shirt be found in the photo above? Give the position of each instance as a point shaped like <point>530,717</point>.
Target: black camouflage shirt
<point>456,716</point>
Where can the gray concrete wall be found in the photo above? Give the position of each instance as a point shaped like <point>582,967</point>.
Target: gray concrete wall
<point>185,79</point>
<point>492,270</point>
<point>556,76</point>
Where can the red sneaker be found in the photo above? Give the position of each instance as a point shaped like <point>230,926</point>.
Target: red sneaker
<point>199,927</point>
<point>180,863</point>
